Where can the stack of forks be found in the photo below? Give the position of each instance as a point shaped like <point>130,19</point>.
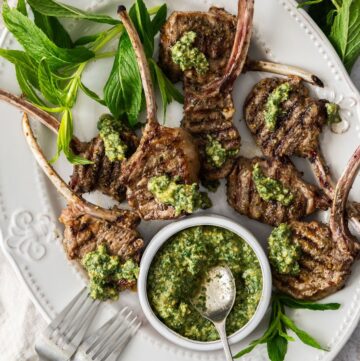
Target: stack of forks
<point>63,338</point>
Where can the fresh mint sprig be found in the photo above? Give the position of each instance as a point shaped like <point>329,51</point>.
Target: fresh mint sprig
<point>276,337</point>
<point>49,70</point>
<point>340,21</point>
<point>123,91</point>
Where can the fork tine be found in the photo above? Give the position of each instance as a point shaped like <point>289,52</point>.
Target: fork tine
<point>94,338</point>
<point>113,356</point>
<point>79,332</point>
<point>116,336</point>
<point>107,336</point>
<point>61,316</point>
<point>68,320</point>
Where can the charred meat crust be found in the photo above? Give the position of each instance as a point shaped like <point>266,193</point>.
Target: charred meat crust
<point>324,268</point>
<point>162,151</point>
<point>83,234</point>
<point>244,198</point>
<point>298,128</point>
<point>102,175</point>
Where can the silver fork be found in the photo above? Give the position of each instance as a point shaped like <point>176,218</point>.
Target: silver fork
<point>107,343</point>
<point>63,336</point>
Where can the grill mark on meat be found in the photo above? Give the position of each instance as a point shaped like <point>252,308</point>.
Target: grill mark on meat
<point>162,150</point>
<point>244,198</point>
<point>209,107</point>
<point>87,225</point>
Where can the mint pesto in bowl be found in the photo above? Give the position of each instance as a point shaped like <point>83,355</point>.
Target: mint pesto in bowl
<point>176,262</point>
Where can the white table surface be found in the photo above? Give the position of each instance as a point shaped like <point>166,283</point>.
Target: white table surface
<point>20,322</point>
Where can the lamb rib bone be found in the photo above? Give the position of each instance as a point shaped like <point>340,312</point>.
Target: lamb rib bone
<point>162,150</point>
<point>82,218</point>
<point>102,175</point>
<point>327,253</point>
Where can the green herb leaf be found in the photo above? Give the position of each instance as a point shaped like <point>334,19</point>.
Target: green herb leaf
<point>345,32</point>
<point>64,138</point>
<point>311,2</point>
<point>340,21</point>
<point>26,86</point>
<point>293,303</point>
<point>142,22</point>
<point>53,29</point>
<point>303,336</point>
<point>57,9</point>
<point>87,39</point>
<point>159,19</point>
<point>123,90</point>
<point>167,88</point>
<point>37,44</point>
<point>21,59</point>
<point>91,94</point>
<point>21,6</point>
<point>277,348</point>
<point>48,85</point>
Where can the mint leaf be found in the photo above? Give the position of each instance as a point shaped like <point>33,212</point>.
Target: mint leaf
<point>293,303</point>
<point>87,39</point>
<point>277,348</point>
<point>37,44</point>
<point>142,22</point>
<point>345,32</point>
<point>21,6</point>
<point>167,88</point>
<point>58,9</point>
<point>53,29</point>
<point>303,336</point>
<point>48,85</point>
<point>123,90</point>
<point>159,19</point>
<point>21,59</point>
<point>26,86</point>
<point>91,94</point>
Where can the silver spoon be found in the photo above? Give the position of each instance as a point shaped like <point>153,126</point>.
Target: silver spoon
<point>215,299</point>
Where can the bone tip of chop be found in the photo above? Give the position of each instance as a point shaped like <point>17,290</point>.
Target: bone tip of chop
<point>121,9</point>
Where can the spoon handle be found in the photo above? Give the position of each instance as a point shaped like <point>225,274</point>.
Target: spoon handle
<point>220,326</point>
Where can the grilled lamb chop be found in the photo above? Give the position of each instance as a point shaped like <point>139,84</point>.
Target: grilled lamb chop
<point>297,131</point>
<point>215,31</point>
<point>327,253</point>
<point>87,225</point>
<point>209,107</point>
<point>245,199</point>
<point>102,174</point>
<point>162,150</point>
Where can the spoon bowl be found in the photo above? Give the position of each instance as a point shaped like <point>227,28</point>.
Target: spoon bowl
<point>215,299</point>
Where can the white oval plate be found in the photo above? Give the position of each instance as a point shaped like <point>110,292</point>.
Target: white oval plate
<point>29,206</point>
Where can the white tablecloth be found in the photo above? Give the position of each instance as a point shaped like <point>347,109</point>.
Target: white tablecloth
<point>20,322</point>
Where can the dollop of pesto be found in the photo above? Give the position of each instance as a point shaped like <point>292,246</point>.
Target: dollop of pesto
<point>109,131</point>
<point>273,104</point>
<point>216,153</point>
<point>183,197</point>
<point>271,189</point>
<point>105,273</point>
<point>187,56</point>
<point>181,264</point>
<point>333,113</point>
<point>284,253</point>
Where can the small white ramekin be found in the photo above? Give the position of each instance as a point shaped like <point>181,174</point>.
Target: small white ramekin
<point>161,237</point>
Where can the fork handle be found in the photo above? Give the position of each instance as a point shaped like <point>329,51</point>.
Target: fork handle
<point>220,326</point>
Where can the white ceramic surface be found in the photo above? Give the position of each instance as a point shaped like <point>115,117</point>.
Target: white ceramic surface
<point>29,206</point>
<point>161,238</point>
